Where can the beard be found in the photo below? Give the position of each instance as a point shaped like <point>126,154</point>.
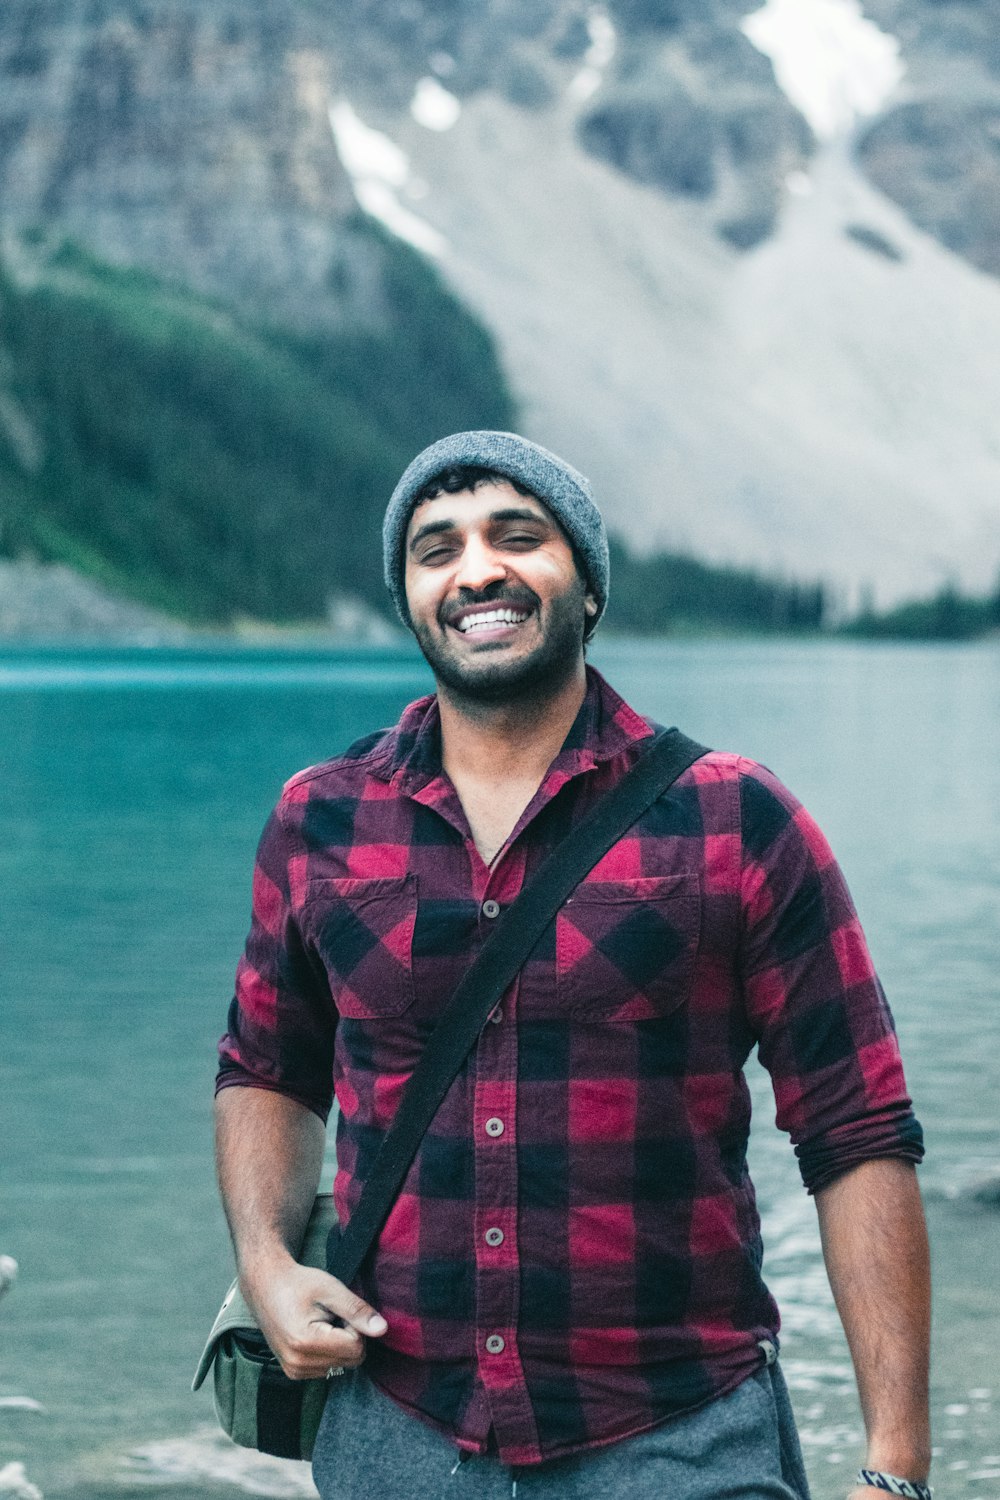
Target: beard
<point>494,677</point>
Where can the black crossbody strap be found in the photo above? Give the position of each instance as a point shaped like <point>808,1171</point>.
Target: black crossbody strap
<point>517,931</point>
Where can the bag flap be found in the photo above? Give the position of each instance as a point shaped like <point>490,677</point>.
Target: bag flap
<point>235,1311</point>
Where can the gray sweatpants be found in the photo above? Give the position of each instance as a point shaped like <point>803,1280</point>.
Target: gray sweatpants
<point>740,1447</point>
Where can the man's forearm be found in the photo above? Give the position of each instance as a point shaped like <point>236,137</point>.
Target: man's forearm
<point>875,1246</point>
<point>269,1154</point>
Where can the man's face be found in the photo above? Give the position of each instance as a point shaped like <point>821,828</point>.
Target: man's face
<point>497,603</point>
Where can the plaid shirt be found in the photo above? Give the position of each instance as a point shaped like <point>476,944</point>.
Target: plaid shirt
<point>575,1255</point>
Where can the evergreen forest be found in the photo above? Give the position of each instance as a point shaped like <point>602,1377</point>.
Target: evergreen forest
<point>223,469</point>
<point>210,465</point>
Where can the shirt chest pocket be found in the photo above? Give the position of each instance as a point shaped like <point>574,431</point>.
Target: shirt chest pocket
<point>362,931</point>
<point>625,949</point>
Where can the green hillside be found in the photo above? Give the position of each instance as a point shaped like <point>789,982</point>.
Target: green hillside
<point>220,469</point>
<point>213,466</point>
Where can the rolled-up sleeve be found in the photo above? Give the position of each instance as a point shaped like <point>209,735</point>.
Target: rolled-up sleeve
<point>824,1028</point>
<point>281,1020</point>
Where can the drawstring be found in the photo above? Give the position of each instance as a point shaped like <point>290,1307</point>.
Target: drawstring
<point>463,1456</point>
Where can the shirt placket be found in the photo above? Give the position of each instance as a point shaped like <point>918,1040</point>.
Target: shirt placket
<point>493,1066</point>
<point>495,1136</point>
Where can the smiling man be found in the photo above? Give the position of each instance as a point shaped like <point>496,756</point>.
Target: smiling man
<point>494,593</point>
<point>566,1299</point>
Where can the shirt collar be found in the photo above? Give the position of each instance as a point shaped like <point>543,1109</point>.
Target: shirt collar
<point>604,727</point>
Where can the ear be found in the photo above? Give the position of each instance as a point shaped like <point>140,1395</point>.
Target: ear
<point>590,605</point>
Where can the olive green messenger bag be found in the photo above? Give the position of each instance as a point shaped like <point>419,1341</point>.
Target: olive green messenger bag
<point>257,1404</point>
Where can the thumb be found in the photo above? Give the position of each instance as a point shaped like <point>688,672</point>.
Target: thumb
<point>354,1311</point>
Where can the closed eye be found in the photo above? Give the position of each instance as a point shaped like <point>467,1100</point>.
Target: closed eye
<point>523,536</point>
<point>437,554</point>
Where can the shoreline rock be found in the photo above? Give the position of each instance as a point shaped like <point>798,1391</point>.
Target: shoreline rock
<point>44,601</point>
<point>50,602</point>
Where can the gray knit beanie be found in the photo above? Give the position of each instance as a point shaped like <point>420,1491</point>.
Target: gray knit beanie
<point>556,484</point>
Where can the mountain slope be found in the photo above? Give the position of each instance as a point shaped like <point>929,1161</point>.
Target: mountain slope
<point>208,463</point>
<point>826,401</point>
<point>750,348</point>
<point>826,397</point>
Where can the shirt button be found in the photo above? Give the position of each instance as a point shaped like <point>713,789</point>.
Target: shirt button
<point>493,1236</point>
<point>491,908</point>
<point>494,1126</point>
<point>495,1344</point>
<point>497,1015</point>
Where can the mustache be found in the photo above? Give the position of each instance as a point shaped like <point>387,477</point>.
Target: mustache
<point>499,595</point>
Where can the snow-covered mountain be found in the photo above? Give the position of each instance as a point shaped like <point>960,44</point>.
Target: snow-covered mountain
<point>738,268</point>
<point>821,394</point>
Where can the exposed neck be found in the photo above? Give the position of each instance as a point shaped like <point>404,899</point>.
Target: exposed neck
<point>492,742</point>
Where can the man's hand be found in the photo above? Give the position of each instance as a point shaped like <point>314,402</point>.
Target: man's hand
<point>269,1151</point>
<point>312,1322</point>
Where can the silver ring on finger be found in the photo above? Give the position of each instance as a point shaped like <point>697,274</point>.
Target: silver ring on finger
<point>335,1370</point>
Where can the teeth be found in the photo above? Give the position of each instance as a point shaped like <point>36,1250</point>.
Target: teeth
<point>482,620</point>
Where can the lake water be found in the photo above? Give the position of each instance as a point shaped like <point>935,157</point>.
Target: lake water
<point>134,788</point>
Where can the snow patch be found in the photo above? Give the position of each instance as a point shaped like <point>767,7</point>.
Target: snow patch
<point>366,152</point>
<point>379,170</point>
<point>15,1485</point>
<point>378,199</point>
<point>603,39</point>
<point>8,1273</point>
<point>603,43</point>
<point>433,107</point>
<point>834,64</point>
<point>207,1455</point>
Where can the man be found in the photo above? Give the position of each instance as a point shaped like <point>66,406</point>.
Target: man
<point>566,1297</point>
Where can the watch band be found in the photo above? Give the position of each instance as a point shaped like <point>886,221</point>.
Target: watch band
<point>893,1485</point>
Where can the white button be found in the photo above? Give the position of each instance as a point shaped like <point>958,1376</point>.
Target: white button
<point>497,1015</point>
<point>491,908</point>
<point>493,1236</point>
<point>494,1126</point>
<point>495,1344</point>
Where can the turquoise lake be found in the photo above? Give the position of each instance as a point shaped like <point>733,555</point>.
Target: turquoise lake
<point>134,787</point>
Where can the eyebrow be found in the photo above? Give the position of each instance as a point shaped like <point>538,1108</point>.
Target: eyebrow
<point>509,513</point>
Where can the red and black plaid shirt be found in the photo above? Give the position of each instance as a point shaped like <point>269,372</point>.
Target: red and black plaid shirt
<point>576,1252</point>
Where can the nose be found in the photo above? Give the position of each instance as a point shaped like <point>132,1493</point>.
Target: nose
<point>479,565</point>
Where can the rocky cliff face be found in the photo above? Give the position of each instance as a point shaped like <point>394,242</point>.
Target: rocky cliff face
<point>192,140</point>
<point>684,102</point>
<point>692,107</point>
<point>678,97</point>
<point>937,150</point>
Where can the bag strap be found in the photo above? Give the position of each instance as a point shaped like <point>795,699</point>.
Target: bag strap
<point>501,957</point>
